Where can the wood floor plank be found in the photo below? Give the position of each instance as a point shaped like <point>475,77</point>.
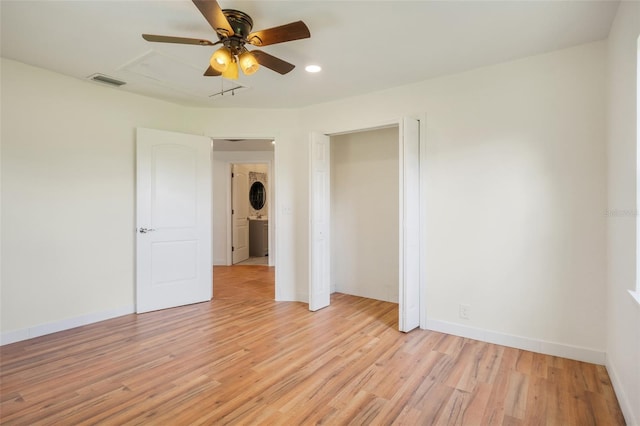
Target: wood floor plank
<point>516,398</point>
<point>245,359</point>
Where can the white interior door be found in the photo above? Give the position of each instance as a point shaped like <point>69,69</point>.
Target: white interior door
<point>409,292</point>
<point>320,200</point>
<point>240,213</point>
<point>173,220</point>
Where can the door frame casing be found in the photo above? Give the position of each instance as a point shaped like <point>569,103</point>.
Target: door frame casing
<point>421,202</point>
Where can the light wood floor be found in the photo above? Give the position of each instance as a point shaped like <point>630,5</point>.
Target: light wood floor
<point>253,361</point>
<point>250,282</point>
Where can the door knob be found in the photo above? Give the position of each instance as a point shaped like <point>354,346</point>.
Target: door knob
<point>145,230</point>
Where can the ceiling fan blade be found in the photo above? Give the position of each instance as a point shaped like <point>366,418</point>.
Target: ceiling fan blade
<point>212,12</point>
<point>273,63</point>
<point>293,31</point>
<point>179,40</point>
<point>210,72</point>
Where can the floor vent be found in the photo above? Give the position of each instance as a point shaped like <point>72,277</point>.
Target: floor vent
<point>101,78</point>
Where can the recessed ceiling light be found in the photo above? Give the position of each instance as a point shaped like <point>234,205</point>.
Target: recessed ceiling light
<point>313,68</point>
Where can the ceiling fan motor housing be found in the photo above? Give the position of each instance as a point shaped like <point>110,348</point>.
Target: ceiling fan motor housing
<point>240,22</point>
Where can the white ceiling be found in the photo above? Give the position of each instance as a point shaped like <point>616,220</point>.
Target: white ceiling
<point>362,46</point>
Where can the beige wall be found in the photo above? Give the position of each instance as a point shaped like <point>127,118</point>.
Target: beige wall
<point>515,168</point>
<point>515,172</point>
<point>364,214</point>
<point>623,313</point>
<point>68,185</point>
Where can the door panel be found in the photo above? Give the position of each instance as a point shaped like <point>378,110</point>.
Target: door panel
<point>173,261</point>
<point>409,294</point>
<point>173,220</point>
<point>320,267</point>
<point>240,213</point>
<point>174,185</point>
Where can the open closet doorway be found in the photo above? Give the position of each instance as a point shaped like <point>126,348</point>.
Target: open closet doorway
<point>409,203</point>
<point>364,213</point>
<point>243,219</point>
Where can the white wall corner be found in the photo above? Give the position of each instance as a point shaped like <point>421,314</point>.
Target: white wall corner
<point>518,342</point>
<point>300,297</point>
<point>623,400</point>
<point>66,324</point>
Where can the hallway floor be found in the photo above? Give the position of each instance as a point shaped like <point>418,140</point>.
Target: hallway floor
<point>263,260</point>
<point>246,282</point>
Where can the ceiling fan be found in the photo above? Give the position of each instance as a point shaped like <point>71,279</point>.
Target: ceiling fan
<point>233,29</point>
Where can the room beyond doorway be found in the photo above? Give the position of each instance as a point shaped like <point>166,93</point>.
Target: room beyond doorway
<point>250,213</point>
<point>365,214</point>
<point>223,161</point>
<point>264,260</point>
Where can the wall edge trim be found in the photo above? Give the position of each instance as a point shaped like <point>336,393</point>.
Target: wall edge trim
<point>623,401</point>
<point>14,336</point>
<point>525,343</point>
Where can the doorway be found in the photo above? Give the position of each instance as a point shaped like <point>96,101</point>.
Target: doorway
<point>364,213</point>
<point>244,218</point>
<point>410,201</point>
<point>249,214</point>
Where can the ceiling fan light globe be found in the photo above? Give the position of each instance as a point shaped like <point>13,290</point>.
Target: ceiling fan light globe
<point>248,63</point>
<point>231,72</point>
<point>221,59</point>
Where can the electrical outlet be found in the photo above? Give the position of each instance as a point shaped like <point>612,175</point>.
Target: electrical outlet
<point>464,311</point>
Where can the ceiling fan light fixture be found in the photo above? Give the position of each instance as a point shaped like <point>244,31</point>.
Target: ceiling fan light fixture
<point>234,30</point>
<point>232,71</point>
<point>248,62</point>
<point>221,59</point>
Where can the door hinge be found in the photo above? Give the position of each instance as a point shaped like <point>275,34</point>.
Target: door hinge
<point>232,211</point>
<point>232,175</point>
<point>233,249</point>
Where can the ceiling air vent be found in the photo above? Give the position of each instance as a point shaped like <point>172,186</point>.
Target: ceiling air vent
<point>101,78</point>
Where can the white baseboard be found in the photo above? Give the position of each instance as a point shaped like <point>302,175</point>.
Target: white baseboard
<point>625,406</point>
<point>525,343</point>
<point>66,324</point>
